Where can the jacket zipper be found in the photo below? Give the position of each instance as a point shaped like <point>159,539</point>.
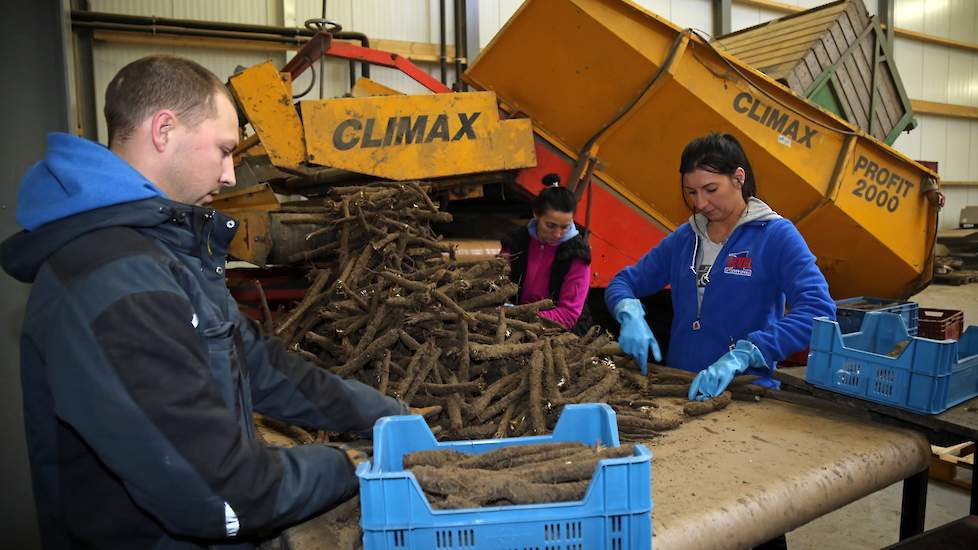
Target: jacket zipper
<point>699,303</point>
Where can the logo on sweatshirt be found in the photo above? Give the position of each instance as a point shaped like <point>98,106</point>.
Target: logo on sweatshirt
<point>739,263</point>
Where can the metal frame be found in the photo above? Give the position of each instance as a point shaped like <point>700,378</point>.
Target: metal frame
<point>722,17</point>
<point>322,44</point>
<point>882,51</point>
<point>933,427</point>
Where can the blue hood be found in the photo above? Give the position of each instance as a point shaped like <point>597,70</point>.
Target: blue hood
<point>571,231</point>
<point>77,175</point>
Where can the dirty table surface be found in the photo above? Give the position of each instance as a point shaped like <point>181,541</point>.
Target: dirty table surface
<point>741,476</point>
<point>960,420</point>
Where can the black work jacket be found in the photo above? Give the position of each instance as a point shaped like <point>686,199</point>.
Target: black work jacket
<point>140,377</point>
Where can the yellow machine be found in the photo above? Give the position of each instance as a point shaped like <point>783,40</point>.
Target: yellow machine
<point>416,137</point>
<point>614,92</point>
<point>396,137</point>
<point>609,77</point>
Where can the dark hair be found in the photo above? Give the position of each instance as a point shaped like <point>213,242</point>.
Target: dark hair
<point>720,154</point>
<point>159,82</point>
<point>554,197</point>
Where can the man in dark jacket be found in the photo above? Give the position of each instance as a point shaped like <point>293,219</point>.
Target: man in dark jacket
<point>139,374</point>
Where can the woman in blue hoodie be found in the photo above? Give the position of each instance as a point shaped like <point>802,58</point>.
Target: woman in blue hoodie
<point>733,268</point>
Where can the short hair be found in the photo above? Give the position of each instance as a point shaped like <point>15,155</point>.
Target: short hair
<point>720,154</point>
<point>554,197</point>
<point>160,82</point>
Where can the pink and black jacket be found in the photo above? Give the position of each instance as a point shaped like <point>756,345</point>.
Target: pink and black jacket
<point>559,271</point>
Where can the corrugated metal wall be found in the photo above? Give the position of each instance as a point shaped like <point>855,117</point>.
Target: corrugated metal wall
<point>946,75</point>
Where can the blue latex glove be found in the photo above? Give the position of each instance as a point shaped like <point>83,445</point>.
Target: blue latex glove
<point>713,380</point>
<point>636,337</point>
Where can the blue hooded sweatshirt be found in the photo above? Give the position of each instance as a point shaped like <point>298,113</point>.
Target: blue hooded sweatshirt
<point>77,175</point>
<point>763,266</point>
<point>140,375</point>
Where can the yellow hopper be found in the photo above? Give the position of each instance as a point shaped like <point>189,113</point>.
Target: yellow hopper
<point>608,78</point>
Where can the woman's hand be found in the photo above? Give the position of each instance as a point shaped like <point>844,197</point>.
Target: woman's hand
<point>636,338</point>
<point>713,380</point>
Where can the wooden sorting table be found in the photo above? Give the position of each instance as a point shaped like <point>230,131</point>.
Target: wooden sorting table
<point>957,423</point>
<point>744,475</point>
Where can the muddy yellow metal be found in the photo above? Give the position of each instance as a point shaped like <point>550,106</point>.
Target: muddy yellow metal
<point>265,95</point>
<point>364,87</point>
<point>250,206</point>
<point>574,66</point>
<point>402,137</point>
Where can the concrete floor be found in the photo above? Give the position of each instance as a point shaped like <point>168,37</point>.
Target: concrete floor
<point>874,521</point>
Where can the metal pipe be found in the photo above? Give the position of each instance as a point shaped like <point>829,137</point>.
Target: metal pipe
<point>322,66</point>
<point>364,42</point>
<point>212,29</point>
<point>189,32</point>
<point>443,60</point>
<point>458,61</point>
<point>463,43</point>
<point>90,16</point>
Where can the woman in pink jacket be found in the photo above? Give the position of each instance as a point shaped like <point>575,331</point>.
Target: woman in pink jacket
<point>550,259</point>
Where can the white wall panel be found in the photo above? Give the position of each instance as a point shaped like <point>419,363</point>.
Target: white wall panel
<point>742,17</point>
<point>934,76</point>
<point>159,8</point>
<point>937,17</point>
<point>933,140</point>
<point>695,14</point>
<point>493,14</point>
<point>908,143</point>
<point>256,12</point>
<point>909,14</point>
<point>963,22</point>
<point>401,20</point>
<point>955,198</point>
<point>958,148</point>
<point>973,82</point>
<point>959,77</point>
<point>909,56</point>
<point>507,8</point>
<point>973,156</point>
<point>489,23</point>
<point>253,12</point>
<point>662,8</point>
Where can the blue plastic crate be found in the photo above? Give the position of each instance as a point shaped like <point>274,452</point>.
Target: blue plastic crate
<point>928,376</point>
<point>849,312</point>
<point>615,512</point>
